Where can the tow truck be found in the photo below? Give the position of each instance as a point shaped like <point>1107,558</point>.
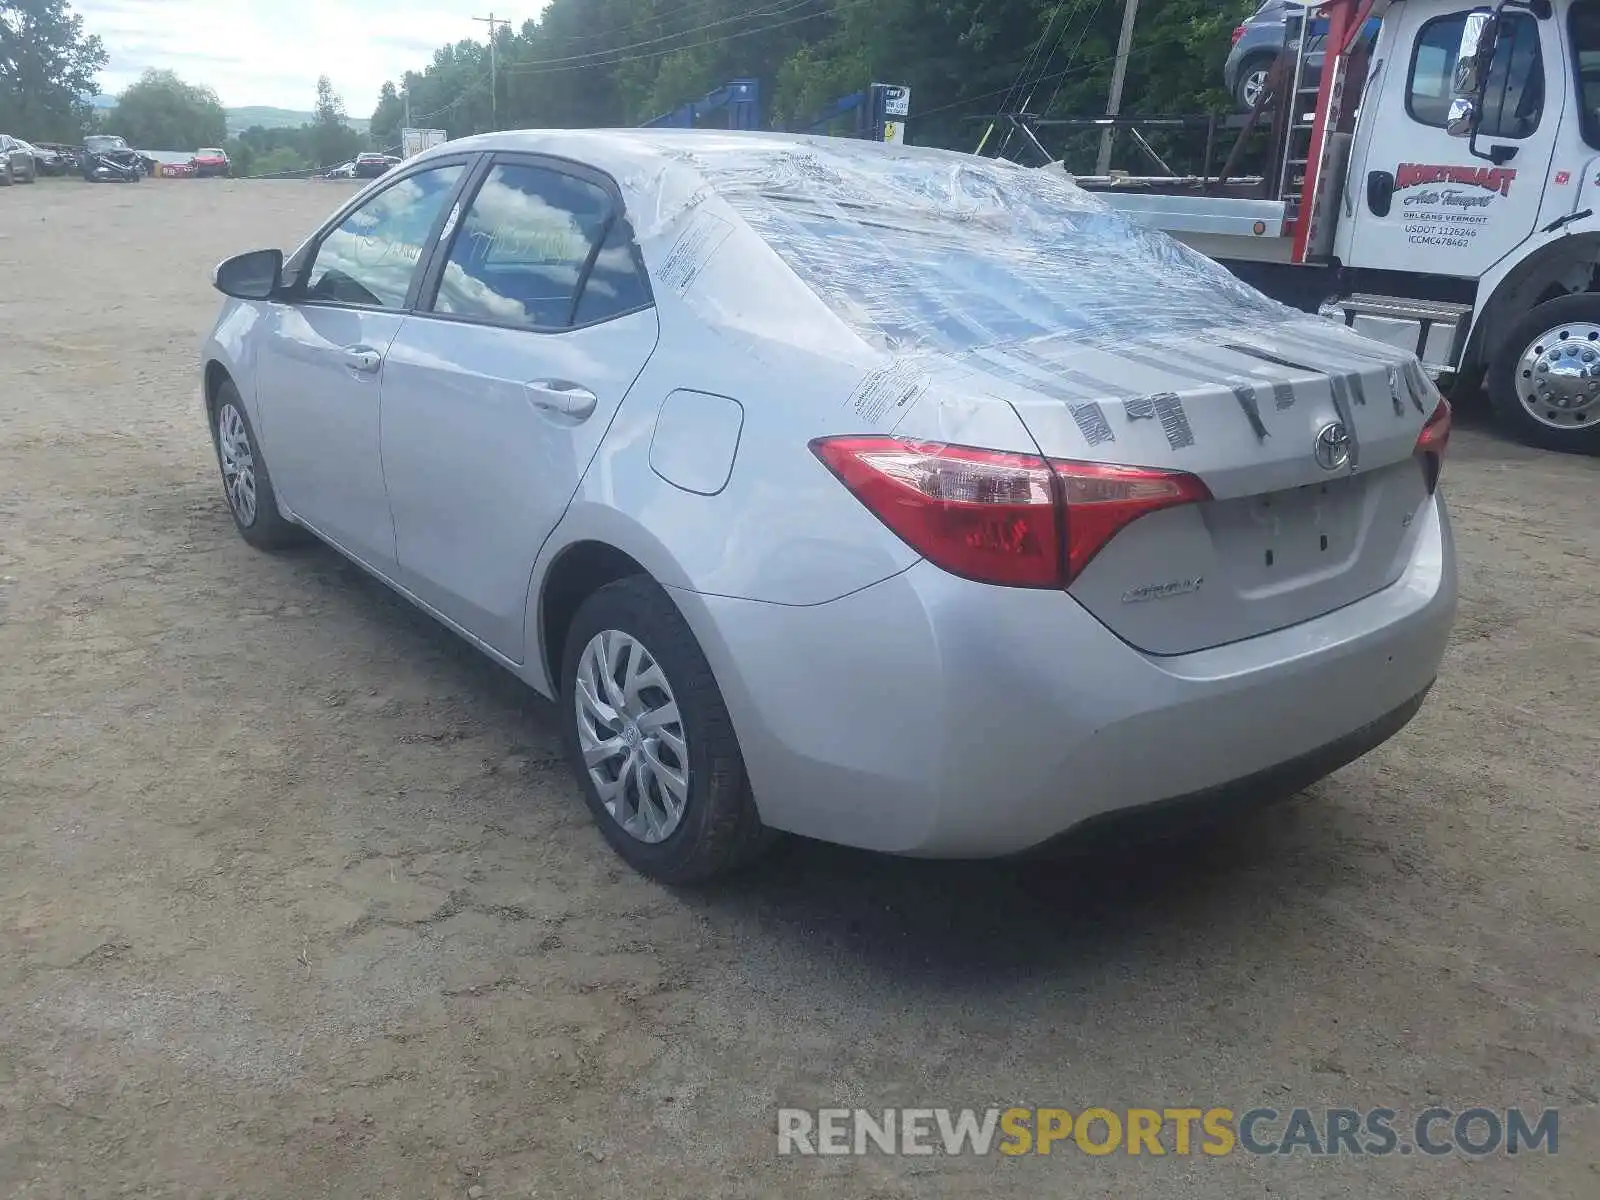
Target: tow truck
<point>1437,189</point>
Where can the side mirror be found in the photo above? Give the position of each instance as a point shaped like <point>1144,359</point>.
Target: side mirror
<point>1473,56</point>
<point>257,275</point>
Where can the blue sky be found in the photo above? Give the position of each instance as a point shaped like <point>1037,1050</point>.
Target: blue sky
<point>271,51</point>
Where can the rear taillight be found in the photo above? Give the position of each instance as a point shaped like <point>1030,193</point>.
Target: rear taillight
<point>1238,32</point>
<point>997,517</point>
<point>1431,443</point>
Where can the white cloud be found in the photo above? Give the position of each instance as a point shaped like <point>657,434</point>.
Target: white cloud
<point>271,51</point>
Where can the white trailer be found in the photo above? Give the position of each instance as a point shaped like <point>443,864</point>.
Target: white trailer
<point>1441,193</point>
<point>415,141</point>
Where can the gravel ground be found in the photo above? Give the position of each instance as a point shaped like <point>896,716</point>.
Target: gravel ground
<point>296,899</point>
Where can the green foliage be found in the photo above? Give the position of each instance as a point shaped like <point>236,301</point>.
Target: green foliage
<point>162,112</point>
<point>47,66</point>
<point>620,62</point>
<point>332,141</point>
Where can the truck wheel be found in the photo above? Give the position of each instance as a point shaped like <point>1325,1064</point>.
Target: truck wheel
<point>1544,381</point>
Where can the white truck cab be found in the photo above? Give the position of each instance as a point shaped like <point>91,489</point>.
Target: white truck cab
<point>1447,199</point>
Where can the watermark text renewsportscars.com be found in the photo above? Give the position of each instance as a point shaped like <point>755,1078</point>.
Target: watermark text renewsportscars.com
<point>1474,1131</point>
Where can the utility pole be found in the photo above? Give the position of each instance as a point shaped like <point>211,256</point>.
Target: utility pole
<point>1119,71</point>
<point>407,95</point>
<point>494,70</point>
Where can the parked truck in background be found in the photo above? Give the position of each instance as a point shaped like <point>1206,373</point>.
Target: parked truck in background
<point>415,141</point>
<point>1441,192</point>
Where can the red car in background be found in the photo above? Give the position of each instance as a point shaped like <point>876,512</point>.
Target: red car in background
<point>211,161</point>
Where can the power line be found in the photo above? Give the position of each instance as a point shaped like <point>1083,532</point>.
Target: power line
<point>598,58</point>
<point>1084,69</point>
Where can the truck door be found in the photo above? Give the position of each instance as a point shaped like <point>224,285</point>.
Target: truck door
<point>1423,201</point>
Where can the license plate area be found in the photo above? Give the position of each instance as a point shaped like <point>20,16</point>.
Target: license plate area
<point>1278,539</point>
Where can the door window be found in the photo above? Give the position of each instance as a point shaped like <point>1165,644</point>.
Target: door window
<point>527,249</point>
<point>370,258</point>
<point>1514,98</point>
<point>1583,22</point>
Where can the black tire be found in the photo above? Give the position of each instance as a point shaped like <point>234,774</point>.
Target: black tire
<point>265,527</point>
<point>5,175</point>
<point>1501,380</point>
<point>719,830</point>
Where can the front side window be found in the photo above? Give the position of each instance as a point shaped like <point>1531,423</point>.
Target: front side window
<point>1513,100</point>
<point>528,245</point>
<point>369,260</point>
<point>1583,24</point>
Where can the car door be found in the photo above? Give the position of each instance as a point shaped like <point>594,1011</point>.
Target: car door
<point>1426,202</point>
<point>534,322</point>
<point>321,359</point>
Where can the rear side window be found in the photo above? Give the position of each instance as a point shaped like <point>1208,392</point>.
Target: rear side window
<point>1513,101</point>
<point>540,249</point>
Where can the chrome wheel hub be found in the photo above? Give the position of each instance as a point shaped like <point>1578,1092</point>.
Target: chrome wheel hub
<point>1254,84</point>
<point>1558,376</point>
<point>631,736</point>
<point>238,463</point>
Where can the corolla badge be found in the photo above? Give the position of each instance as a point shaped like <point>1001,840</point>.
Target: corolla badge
<point>1333,446</point>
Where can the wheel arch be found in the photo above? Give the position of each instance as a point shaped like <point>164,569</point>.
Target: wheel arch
<point>216,374</point>
<point>574,575</point>
<point>1564,266</point>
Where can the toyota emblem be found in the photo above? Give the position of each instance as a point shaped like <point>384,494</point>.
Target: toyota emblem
<point>1333,446</point>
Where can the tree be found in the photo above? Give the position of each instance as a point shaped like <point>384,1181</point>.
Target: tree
<point>162,112</point>
<point>332,140</point>
<point>48,66</point>
<point>620,62</point>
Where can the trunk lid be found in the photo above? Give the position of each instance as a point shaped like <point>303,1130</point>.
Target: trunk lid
<point>1288,535</point>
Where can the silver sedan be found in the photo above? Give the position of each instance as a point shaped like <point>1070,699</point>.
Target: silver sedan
<point>881,495</point>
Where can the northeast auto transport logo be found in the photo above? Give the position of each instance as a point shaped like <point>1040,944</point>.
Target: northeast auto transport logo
<point>1490,179</point>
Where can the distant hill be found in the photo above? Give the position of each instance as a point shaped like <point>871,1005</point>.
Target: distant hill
<point>240,119</point>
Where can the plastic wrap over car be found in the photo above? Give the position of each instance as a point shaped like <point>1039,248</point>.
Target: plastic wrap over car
<point>962,278</point>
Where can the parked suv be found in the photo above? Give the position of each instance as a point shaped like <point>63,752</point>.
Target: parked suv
<point>1257,42</point>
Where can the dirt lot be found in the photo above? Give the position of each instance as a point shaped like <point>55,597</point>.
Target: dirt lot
<point>296,900</point>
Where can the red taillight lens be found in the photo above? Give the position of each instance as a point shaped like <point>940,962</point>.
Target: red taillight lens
<point>981,514</point>
<point>1431,442</point>
<point>1238,32</point>
<point>1101,499</point>
<point>997,517</point>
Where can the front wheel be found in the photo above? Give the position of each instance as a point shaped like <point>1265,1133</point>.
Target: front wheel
<point>1544,381</point>
<point>245,480</point>
<point>649,737</point>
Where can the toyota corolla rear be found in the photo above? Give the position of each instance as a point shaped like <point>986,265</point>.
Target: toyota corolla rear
<point>1174,542</point>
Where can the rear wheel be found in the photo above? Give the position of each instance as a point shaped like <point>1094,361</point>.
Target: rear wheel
<point>1544,381</point>
<point>649,736</point>
<point>1252,82</point>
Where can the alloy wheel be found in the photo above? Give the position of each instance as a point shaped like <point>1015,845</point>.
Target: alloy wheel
<point>631,735</point>
<point>238,462</point>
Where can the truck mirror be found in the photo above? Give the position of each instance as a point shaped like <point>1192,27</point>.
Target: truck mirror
<point>1478,35</point>
<point>1473,56</point>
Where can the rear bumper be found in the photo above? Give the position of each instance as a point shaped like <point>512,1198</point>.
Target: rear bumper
<point>933,716</point>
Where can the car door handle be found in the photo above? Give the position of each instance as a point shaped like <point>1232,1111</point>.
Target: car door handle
<point>559,396</point>
<point>363,359</point>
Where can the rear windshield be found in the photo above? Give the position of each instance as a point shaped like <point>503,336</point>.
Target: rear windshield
<point>931,250</point>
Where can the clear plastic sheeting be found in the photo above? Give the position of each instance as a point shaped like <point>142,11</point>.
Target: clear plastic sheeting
<point>921,250</point>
